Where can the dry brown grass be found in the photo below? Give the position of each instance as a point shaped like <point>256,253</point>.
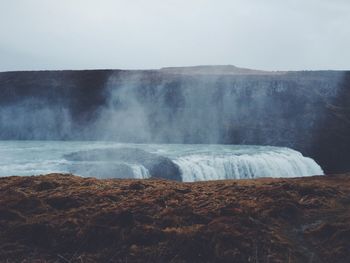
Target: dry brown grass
<point>64,218</point>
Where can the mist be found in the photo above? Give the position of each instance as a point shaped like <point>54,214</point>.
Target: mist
<point>32,119</point>
<point>242,109</point>
<point>167,107</point>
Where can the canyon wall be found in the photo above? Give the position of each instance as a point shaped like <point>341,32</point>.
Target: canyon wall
<point>307,110</point>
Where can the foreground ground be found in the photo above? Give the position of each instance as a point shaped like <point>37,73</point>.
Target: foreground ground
<point>64,218</point>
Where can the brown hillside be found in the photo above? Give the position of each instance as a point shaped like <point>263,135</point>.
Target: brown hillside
<point>65,218</point>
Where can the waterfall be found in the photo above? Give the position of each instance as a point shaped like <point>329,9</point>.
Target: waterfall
<point>280,162</point>
<point>182,162</point>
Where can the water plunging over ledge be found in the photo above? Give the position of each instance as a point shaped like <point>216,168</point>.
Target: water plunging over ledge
<point>183,162</point>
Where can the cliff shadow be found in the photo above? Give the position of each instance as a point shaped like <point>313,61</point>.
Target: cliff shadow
<point>331,146</point>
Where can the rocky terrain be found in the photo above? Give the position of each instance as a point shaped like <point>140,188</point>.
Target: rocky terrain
<point>65,218</point>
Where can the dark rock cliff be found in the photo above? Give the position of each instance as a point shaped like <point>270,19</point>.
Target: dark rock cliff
<point>308,111</point>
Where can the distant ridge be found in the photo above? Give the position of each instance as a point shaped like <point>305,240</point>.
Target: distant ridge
<point>217,70</point>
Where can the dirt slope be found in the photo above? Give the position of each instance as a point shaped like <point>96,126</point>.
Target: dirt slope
<point>64,218</point>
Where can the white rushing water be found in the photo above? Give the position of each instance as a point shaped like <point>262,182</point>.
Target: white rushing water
<point>196,162</point>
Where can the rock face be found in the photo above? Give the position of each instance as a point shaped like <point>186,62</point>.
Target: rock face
<point>66,218</point>
<point>157,166</point>
<point>307,111</point>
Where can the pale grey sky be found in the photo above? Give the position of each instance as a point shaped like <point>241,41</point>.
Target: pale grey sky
<point>147,34</point>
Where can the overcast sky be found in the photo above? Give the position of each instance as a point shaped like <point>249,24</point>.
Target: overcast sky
<point>149,34</point>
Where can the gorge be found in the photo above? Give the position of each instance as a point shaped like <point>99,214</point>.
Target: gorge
<point>307,110</point>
